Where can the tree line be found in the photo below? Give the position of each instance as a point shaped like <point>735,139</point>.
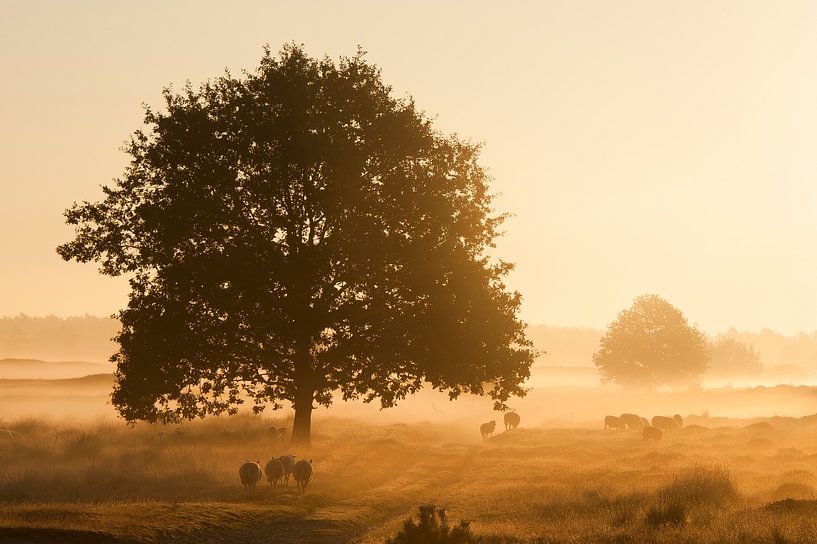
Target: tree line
<point>52,338</point>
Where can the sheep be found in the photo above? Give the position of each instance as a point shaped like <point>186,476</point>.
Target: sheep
<point>679,420</point>
<point>644,422</point>
<point>613,422</point>
<point>250,474</point>
<point>651,433</point>
<point>289,462</point>
<point>511,420</point>
<point>487,429</point>
<point>632,421</point>
<point>274,471</point>
<point>282,433</point>
<point>665,423</point>
<point>302,472</point>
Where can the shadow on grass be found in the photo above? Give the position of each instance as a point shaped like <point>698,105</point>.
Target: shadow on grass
<point>26,535</point>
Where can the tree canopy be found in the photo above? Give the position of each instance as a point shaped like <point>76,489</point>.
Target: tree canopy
<point>731,358</point>
<point>296,231</point>
<point>651,344</point>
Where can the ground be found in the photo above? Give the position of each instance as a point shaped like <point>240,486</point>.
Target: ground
<point>713,481</point>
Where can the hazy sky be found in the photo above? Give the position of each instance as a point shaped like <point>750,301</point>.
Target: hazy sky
<point>662,147</point>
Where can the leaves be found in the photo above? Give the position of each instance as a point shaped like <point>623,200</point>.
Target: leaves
<point>296,230</point>
<point>651,344</point>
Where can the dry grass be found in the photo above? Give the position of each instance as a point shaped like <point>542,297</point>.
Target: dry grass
<point>107,482</point>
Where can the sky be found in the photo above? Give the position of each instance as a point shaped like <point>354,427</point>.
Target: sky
<point>642,147</point>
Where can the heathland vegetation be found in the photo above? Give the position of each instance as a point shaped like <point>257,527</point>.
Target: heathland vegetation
<point>297,237</point>
<point>712,481</point>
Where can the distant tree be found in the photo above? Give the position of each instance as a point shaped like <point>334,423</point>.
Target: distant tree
<point>731,358</point>
<point>298,231</point>
<point>651,344</point>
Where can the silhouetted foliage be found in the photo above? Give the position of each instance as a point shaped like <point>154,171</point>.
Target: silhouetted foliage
<point>651,344</point>
<point>298,231</point>
<point>432,528</point>
<point>666,513</point>
<point>731,358</point>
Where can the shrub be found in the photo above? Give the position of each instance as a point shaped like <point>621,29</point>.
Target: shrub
<point>702,483</point>
<point>666,513</point>
<point>778,537</point>
<point>433,528</point>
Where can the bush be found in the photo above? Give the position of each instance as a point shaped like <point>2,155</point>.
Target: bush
<point>669,513</point>
<point>702,483</point>
<point>433,528</point>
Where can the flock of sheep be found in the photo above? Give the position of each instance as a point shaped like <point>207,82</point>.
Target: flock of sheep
<point>276,470</point>
<point>511,420</point>
<point>280,469</point>
<point>633,422</point>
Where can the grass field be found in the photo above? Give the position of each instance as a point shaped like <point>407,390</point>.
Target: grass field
<point>105,482</point>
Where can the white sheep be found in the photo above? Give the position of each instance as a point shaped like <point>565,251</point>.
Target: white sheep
<point>274,471</point>
<point>250,474</point>
<point>302,472</point>
<point>511,420</point>
<point>289,462</point>
<point>487,429</point>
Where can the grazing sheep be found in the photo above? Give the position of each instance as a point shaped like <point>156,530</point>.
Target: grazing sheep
<point>302,472</point>
<point>613,422</point>
<point>487,429</point>
<point>664,423</point>
<point>282,433</point>
<point>289,462</point>
<point>274,471</point>
<point>679,420</point>
<point>250,474</point>
<point>644,422</point>
<point>512,420</point>
<point>651,433</point>
<point>632,421</point>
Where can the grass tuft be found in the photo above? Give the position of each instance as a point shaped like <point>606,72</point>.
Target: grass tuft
<point>668,513</point>
<point>432,527</point>
<point>699,484</point>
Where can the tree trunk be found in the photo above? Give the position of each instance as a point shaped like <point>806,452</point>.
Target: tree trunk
<point>302,425</point>
<point>304,393</point>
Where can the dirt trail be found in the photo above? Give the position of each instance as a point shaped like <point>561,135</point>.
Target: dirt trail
<point>348,519</point>
<point>330,512</point>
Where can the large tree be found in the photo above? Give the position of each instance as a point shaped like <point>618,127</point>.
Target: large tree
<point>297,231</point>
<point>651,344</point>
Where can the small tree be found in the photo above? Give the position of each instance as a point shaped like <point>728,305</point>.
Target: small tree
<point>731,358</point>
<point>299,231</point>
<point>651,344</point>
